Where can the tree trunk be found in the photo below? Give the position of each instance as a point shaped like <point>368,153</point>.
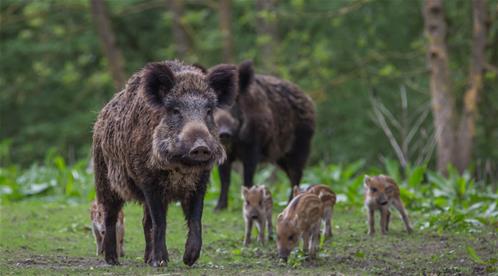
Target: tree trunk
<point>180,38</point>
<point>225,14</point>
<point>267,32</point>
<point>442,99</point>
<point>466,132</point>
<point>108,42</point>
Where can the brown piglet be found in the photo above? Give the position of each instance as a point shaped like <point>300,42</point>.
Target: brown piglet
<point>328,198</point>
<point>98,228</point>
<point>381,192</point>
<point>257,208</point>
<point>300,219</point>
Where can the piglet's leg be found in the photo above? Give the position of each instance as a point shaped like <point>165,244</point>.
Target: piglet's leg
<point>269,226</point>
<point>261,231</point>
<point>98,239</point>
<point>315,240</point>
<point>397,203</point>
<point>247,235</point>
<point>383,220</point>
<point>327,216</point>
<point>371,221</point>
<point>192,209</point>
<point>306,241</point>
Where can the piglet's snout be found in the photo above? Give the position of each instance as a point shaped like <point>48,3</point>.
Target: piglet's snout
<point>200,151</point>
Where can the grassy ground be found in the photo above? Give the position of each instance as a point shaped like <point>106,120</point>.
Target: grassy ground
<point>53,238</point>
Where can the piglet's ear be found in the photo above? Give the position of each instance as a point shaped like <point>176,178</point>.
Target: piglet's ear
<point>223,79</point>
<point>296,191</point>
<point>366,181</point>
<point>280,217</point>
<point>244,192</point>
<point>157,82</point>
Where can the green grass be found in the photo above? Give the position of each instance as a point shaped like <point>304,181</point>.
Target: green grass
<point>54,238</point>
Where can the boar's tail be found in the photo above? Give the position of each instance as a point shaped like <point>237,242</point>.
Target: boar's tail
<point>246,75</point>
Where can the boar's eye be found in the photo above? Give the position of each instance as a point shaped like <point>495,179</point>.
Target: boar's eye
<point>373,190</point>
<point>176,111</point>
<point>209,111</point>
<point>291,237</point>
<point>247,202</point>
<point>261,203</point>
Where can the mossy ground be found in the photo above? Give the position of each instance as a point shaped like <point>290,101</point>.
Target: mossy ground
<point>54,238</point>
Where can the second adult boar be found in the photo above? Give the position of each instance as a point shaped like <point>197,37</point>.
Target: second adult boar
<point>271,121</point>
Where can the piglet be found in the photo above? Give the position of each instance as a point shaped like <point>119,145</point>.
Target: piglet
<point>258,205</point>
<point>381,192</point>
<point>328,198</point>
<point>98,228</point>
<point>301,219</point>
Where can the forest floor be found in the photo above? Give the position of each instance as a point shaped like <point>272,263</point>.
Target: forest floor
<point>38,238</point>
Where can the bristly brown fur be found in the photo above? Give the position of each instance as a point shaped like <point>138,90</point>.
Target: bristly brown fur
<point>156,142</point>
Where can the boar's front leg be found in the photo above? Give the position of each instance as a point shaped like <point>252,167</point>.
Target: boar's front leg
<point>371,221</point>
<point>192,208</point>
<point>147,225</point>
<point>225,171</point>
<point>157,210</point>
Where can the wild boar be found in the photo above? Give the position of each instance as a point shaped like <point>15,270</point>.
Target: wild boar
<point>156,142</point>
<point>328,198</point>
<point>381,192</point>
<point>301,219</point>
<point>258,205</point>
<point>98,228</point>
<point>272,121</point>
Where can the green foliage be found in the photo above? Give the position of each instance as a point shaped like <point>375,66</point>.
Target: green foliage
<point>54,78</point>
<point>455,202</point>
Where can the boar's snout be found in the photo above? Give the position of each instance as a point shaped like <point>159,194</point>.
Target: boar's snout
<point>200,151</point>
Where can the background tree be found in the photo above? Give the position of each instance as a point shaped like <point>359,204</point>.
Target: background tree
<point>108,42</point>
<point>180,37</point>
<point>455,142</point>
<point>225,17</point>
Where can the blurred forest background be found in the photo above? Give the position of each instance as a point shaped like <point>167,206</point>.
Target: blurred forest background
<point>366,64</point>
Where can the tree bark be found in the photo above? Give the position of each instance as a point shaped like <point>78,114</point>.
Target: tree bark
<point>108,43</point>
<point>442,99</point>
<point>225,15</point>
<point>267,32</point>
<point>466,132</point>
<point>180,37</point>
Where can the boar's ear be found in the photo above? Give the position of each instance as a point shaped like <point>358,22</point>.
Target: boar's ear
<point>223,79</point>
<point>157,82</point>
<point>246,75</point>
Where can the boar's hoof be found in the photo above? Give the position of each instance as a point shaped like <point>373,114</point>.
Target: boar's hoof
<point>112,260</point>
<point>158,263</point>
<point>191,255</point>
<point>220,206</point>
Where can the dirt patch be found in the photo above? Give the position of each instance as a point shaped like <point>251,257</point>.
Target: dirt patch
<point>57,262</point>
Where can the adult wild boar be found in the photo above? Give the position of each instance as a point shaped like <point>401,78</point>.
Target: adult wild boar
<point>155,142</point>
<point>271,121</point>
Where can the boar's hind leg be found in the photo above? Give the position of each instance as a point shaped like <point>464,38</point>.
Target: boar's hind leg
<point>224,171</point>
<point>192,208</point>
<point>157,210</point>
<point>294,161</point>
<point>250,159</point>
<point>112,206</point>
